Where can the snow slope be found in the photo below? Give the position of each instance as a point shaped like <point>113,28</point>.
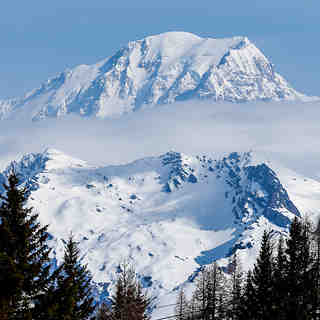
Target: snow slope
<point>160,69</point>
<point>168,215</point>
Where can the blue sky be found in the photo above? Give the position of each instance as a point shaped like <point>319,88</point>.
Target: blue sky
<point>41,38</point>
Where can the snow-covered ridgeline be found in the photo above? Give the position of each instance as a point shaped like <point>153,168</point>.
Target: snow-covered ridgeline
<point>168,215</point>
<point>160,69</point>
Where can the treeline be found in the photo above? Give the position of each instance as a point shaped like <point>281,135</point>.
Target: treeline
<point>283,284</point>
<point>32,288</point>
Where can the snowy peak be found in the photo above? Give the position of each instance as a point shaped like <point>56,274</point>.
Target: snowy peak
<point>173,212</point>
<point>160,69</point>
<point>249,189</point>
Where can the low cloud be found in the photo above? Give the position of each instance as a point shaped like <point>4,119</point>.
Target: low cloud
<point>290,132</point>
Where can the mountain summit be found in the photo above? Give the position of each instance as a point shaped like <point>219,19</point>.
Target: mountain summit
<point>160,69</point>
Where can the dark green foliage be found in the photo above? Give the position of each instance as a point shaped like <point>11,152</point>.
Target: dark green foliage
<point>280,282</point>
<point>72,293</point>
<point>248,307</point>
<point>287,286</point>
<point>262,278</point>
<point>299,260</point>
<point>24,255</point>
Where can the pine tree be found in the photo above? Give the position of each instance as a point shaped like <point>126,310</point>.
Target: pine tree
<point>262,279</point>
<point>73,296</point>
<point>119,301</point>
<point>24,254</point>
<point>248,308</point>
<point>299,261</point>
<point>280,283</point>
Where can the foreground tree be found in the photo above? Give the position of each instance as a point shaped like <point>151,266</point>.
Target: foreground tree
<point>248,306</point>
<point>262,279</point>
<point>24,255</point>
<point>182,311</point>
<point>236,287</point>
<point>209,294</point>
<point>314,274</point>
<point>73,297</point>
<point>299,260</point>
<point>129,301</point>
<point>280,292</point>
<point>104,312</point>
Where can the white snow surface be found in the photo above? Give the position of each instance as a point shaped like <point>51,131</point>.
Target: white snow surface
<point>160,69</point>
<point>166,215</point>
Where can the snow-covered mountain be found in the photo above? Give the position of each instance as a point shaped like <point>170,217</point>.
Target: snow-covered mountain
<point>160,69</point>
<point>168,215</point>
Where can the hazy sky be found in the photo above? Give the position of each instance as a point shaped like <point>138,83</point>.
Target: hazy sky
<point>41,38</point>
<point>277,130</point>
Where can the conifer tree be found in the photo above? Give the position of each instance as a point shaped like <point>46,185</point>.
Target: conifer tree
<point>248,308</point>
<point>280,282</point>
<point>262,279</point>
<point>24,254</point>
<point>299,261</point>
<point>73,296</point>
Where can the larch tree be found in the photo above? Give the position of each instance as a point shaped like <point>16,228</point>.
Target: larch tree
<point>236,279</point>
<point>129,301</point>
<point>182,311</point>
<point>200,294</point>
<point>104,312</point>
<point>209,288</point>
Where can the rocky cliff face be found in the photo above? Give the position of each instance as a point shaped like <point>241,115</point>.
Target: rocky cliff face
<point>161,69</point>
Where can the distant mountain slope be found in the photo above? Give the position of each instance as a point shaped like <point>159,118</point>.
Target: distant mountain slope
<point>168,215</point>
<point>160,69</point>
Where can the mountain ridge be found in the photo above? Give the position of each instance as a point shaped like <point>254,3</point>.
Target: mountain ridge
<point>156,70</point>
<point>170,212</point>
